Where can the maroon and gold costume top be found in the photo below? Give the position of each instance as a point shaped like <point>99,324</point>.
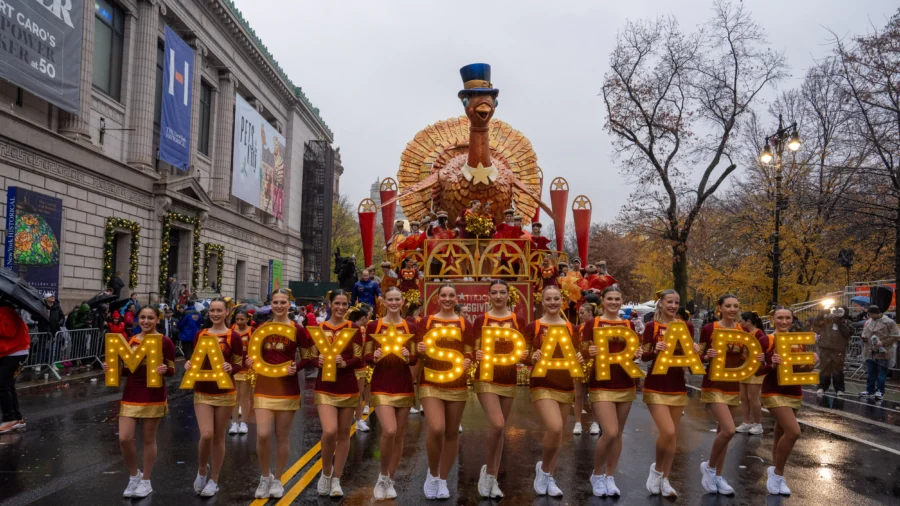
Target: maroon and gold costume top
<point>245,343</point>
<point>343,392</point>
<point>139,400</point>
<point>735,356</point>
<point>392,382</point>
<point>230,344</point>
<point>540,242</point>
<point>549,277</point>
<point>460,384</point>
<point>618,380</point>
<point>671,383</point>
<point>505,376</point>
<point>556,380</point>
<point>773,394</point>
<point>280,394</point>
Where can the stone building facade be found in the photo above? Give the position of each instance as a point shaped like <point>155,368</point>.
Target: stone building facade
<point>103,162</point>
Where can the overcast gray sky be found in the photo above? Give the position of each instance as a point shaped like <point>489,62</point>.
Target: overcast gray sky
<point>380,71</point>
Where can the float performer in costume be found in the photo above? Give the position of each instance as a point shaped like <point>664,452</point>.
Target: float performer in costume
<point>140,402</point>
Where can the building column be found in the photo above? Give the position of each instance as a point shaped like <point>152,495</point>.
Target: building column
<point>143,96</point>
<point>221,178</point>
<point>200,53</point>
<point>77,126</point>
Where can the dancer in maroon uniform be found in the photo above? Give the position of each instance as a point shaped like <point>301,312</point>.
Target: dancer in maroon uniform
<point>751,388</point>
<point>496,396</point>
<point>664,394</point>
<point>552,394</point>
<point>140,402</point>
<point>213,405</point>
<point>610,399</point>
<point>241,413</point>
<point>392,388</point>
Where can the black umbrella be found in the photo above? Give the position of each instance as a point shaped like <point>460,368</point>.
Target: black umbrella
<point>20,294</point>
<point>101,298</point>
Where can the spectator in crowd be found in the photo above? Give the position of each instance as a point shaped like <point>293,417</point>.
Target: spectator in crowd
<point>116,324</point>
<point>116,284</point>
<point>57,317</point>
<point>14,344</point>
<point>188,328</point>
<point>311,320</point>
<point>167,325</point>
<point>132,303</point>
<point>79,318</point>
<point>366,290</point>
<point>834,332</point>
<point>637,322</point>
<point>184,294</point>
<point>172,289</point>
<point>878,336</point>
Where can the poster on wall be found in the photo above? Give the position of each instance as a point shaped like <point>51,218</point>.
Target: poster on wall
<point>41,49</point>
<point>258,160</point>
<point>275,281</point>
<point>175,126</point>
<point>33,227</point>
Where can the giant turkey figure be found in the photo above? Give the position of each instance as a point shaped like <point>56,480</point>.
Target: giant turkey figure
<point>451,163</point>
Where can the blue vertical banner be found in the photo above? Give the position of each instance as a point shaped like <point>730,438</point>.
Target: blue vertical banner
<point>33,227</point>
<point>177,95</point>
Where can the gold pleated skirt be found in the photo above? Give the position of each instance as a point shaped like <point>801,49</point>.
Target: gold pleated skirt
<point>754,380</point>
<point>627,395</point>
<point>241,376</point>
<point>781,401</point>
<point>274,403</point>
<point>559,396</point>
<point>394,401</point>
<point>338,401</point>
<point>444,394</point>
<point>486,387</point>
<point>143,410</point>
<point>665,399</point>
<point>224,400</point>
<point>717,397</point>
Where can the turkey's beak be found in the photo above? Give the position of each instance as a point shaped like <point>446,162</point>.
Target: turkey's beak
<point>483,111</point>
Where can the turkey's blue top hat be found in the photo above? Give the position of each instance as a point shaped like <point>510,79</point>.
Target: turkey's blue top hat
<point>476,78</point>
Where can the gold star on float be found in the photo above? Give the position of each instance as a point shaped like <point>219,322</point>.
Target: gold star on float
<point>581,202</point>
<point>559,184</point>
<point>450,261</point>
<point>391,341</point>
<point>367,206</point>
<point>482,174</point>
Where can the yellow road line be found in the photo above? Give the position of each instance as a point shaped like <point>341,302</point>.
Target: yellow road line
<point>293,470</point>
<point>308,477</point>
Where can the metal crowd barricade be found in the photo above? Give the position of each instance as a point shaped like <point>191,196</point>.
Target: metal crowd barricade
<point>79,345</point>
<point>854,359</point>
<point>42,353</point>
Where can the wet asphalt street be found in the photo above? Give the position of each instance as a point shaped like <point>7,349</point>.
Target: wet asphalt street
<point>69,455</point>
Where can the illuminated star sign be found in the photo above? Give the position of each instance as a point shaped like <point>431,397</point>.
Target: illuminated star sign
<point>392,341</point>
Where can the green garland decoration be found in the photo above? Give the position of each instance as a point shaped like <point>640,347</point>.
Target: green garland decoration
<point>220,262</point>
<point>134,261</point>
<point>164,250</point>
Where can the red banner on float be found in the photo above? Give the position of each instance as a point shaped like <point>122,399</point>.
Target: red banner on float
<point>366,213</point>
<point>474,299</point>
<point>581,215</point>
<point>537,211</point>
<point>559,198</point>
<point>388,191</point>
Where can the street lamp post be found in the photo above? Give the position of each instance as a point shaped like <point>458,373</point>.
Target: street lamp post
<point>785,135</point>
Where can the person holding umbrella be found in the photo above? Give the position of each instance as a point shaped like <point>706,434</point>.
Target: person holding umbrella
<point>14,344</point>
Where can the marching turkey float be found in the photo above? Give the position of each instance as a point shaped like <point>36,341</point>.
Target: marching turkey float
<point>471,189</point>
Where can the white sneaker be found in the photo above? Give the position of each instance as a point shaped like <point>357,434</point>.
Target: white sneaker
<point>775,484</point>
<point>234,428</point>
<point>577,429</point>
<point>390,493</point>
<point>595,429</point>
<point>879,396</point>
<point>611,489</point>
<point>262,491</point>
<point>276,489</point>
<point>336,490</point>
<point>362,426</point>
<point>820,392</point>
<point>132,484</point>
<point>654,479</point>
<point>708,478</point>
<point>200,481</point>
<point>243,428</point>
<point>323,487</point>
<point>863,394</point>
<point>723,487</point>
<point>431,486</point>
<point>496,493</point>
<point>210,489</point>
<point>484,485</point>
<point>666,490</point>
<point>460,428</point>
<point>413,411</point>
<point>541,479</point>
<point>143,489</point>
<point>598,485</point>
<point>381,487</point>
<point>366,409</point>
<point>757,429</point>
<point>552,489</point>
<point>443,491</point>
<point>744,427</point>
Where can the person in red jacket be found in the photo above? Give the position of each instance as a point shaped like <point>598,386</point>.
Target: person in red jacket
<point>116,325</point>
<point>14,344</point>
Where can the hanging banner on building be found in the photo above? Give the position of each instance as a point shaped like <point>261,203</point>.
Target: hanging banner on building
<point>175,126</point>
<point>275,281</point>
<point>258,160</point>
<point>40,49</point>
<point>33,227</point>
